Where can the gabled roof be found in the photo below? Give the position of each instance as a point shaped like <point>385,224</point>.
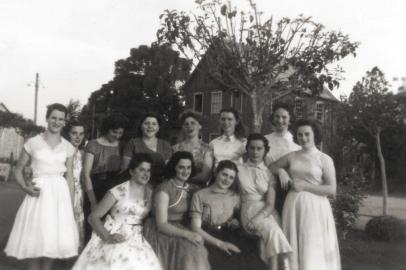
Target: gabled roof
<point>327,94</point>
<point>3,107</point>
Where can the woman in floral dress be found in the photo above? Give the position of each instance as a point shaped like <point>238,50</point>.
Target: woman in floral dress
<point>74,132</point>
<point>119,244</point>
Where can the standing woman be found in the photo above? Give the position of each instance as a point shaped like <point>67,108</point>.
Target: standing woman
<point>118,242</point>
<point>177,247</point>
<point>231,144</point>
<point>74,132</point>
<point>102,162</point>
<point>280,143</point>
<point>307,219</point>
<point>258,214</point>
<point>202,156</point>
<point>148,141</point>
<point>44,228</point>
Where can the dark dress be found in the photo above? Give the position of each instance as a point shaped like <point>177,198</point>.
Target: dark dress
<point>176,253</point>
<point>218,211</point>
<point>163,153</point>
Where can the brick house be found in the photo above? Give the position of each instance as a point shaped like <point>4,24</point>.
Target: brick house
<point>206,97</point>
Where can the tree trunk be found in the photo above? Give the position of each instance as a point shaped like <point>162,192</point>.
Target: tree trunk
<point>383,172</point>
<point>256,124</point>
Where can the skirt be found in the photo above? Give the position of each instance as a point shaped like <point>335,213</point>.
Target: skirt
<point>308,224</point>
<point>45,226</point>
<point>176,253</point>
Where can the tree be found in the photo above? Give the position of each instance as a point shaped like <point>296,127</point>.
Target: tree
<point>74,109</point>
<point>22,125</point>
<point>373,109</point>
<point>264,60</point>
<point>150,79</point>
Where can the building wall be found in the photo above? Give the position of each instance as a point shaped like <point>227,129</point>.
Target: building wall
<point>11,143</point>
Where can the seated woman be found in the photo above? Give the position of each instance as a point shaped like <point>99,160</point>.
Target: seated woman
<point>177,247</point>
<point>119,244</point>
<point>212,211</point>
<point>258,215</point>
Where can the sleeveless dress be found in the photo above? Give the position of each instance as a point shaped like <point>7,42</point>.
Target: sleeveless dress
<point>176,253</point>
<point>254,183</point>
<point>45,226</point>
<point>124,218</point>
<point>307,220</point>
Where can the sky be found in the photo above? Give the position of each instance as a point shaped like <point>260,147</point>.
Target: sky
<point>73,44</point>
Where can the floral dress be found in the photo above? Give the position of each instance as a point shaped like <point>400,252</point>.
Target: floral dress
<point>78,198</point>
<point>125,218</point>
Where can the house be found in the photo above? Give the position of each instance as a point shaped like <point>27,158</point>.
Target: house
<point>3,107</point>
<point>206,97</point>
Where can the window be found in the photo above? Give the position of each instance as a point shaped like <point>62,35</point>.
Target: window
<point>298,108</point>
<point>198,102</point>
<point>319,111</point>
<point>216,102</point>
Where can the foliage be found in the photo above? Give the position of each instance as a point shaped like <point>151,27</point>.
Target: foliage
<point>149,79</point>
<point>74,109</point>
<point>349,196</point>
<point>386,228</point>
<point>24,126</point>
<point>264,59</point>
<point>372,109</point>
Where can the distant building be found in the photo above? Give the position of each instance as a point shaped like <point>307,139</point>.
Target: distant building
<point>207,98</point>
<point>3,107</point>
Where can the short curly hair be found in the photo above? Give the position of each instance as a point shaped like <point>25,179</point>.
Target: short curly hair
<point>170,171</point>
<point>284,106</point>
<point>58,107</point>
<point>317,132</point>
<point>139,158</point>
<point>145,116</point>
<point>258,137</point>
<point>113,121</point>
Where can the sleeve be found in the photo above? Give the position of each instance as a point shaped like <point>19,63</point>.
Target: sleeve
<point>196,208</point>
<point>91,147</point>
<point>70,150</point>
<point>128,149</point>
<point>28,146</point>
<point>118,191</point>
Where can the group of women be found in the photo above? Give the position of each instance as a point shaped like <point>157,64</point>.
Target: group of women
<point>149,205</point>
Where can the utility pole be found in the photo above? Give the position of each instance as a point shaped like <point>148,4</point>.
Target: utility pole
<point>36,97</point>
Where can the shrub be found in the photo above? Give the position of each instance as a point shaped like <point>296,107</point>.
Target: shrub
<point>386,228</point>
<point>346,204</point>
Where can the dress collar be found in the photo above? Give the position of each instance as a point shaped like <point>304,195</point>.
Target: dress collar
<point>261,165</point>
<point>184,187</point>
<point>218,191</point>
<point>225,138</point>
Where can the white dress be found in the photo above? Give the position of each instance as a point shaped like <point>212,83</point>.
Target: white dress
<point>124,218</point>
<point>45,226</point>
<point>280,145</point>
<point>255,181</point>
<point>307,219</point>
<point>230,148</point>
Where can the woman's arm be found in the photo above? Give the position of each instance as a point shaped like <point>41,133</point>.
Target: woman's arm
<point>279,168</point>
<point>329,185</point>
<point>69,177</point>
<point>225,246</point>
<point>97,214</point>
<point>18,174</point>
<point>87,169</point>
<point>161,203</point>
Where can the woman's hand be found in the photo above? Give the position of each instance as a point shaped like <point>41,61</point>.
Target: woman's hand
<point>115,238</point>
<point>32,190</point>
<point>228,247</point>
<point>284,178</point>
<point>299,185</point>
<point>195,238</point>
<point>233,224</point>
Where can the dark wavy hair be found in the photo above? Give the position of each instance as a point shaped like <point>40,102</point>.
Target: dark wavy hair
<point>258,137</point>
<point>113,121</point>
<point>239,131</point>
<point>284,106</point>
<point>170,171</point>
<point>318,135</point>
<point>226,164</point>
<point>191,114</point>
<point>145,116</point>
<point>68,127</point>
<point>139,158</point>
<point>58,107</point>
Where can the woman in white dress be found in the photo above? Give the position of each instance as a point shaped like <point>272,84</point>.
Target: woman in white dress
<point>74,132</point>
<point>231,144</point>
<point>258,215</point>
<point>280,143</point>
<point>44,227</point>
<point>307,219</point>
<point>119,244</point>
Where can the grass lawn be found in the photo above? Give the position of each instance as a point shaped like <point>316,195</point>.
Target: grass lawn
<point>360,253</point>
